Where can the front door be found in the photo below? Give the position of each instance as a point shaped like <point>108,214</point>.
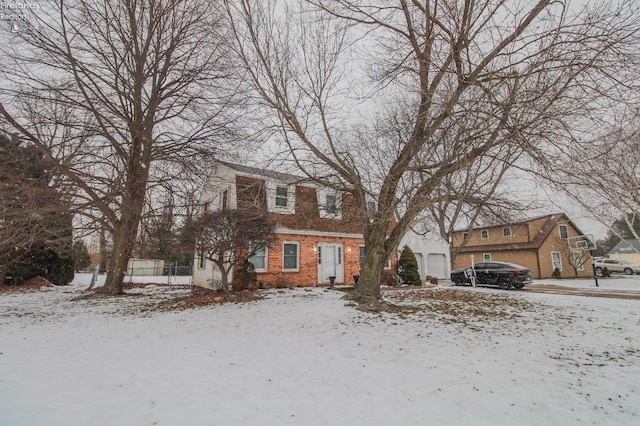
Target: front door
<point>330,262</point>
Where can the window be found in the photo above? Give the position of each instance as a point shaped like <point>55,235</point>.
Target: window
<point>290,256</point>
<point>281,196</point>
<point>330,204</point>
<point>223,199</point>
<point>556,261</point>
<point>506,231</point>
<point>259,259</point>
<point>564,232</point>
<point>486,257</point>
<point>465,236</point>
<point>371,208</point>
<point>484,234</point>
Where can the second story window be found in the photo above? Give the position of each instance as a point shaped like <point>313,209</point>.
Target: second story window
<point>465,236</point>
<point>506,231</point>
<point>484,234</point>
<point>224,199</point>
<point>282,198</point>
<point>371,208</point>
<point>330,204</point>
<point>564,232</point>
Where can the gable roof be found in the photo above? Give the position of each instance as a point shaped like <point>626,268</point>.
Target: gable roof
<point>629,246</point>
<point>524,222</point>
<point>283,177</point>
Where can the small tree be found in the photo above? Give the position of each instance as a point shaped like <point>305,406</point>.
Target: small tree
<point>230,237</point>
<point>408,267</point>
<point>577,259</point>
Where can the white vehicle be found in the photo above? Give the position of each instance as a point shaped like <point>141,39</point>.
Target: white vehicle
<point>615,265</point>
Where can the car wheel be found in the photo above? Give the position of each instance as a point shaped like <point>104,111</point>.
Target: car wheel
<point>628,271</point>
<point>599,271</point>
<point>458,281</point>
<point>518,286</point>
<point>504,283</point>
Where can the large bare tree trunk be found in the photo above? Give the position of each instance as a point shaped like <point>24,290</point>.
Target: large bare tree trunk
<point>126,229</point>
<point>367,291</point>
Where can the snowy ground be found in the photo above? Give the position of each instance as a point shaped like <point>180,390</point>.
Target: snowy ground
<point>455,356</point>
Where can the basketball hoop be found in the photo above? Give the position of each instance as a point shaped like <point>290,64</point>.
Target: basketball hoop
<point>582,242</point>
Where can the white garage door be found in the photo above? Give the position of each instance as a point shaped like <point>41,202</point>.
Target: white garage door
<point>437,265</point>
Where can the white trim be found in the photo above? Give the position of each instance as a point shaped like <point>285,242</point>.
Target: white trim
<point>560,232</point>
<point>506,228</point>
<point>314,233</point>
<point>266,261</point>
<point>559,260</point>
<point>321,195</point>
<point>297,268</point>
<point>338,260</point>
<point>271,187</point>
<point>484,257</point>
<point>284,197</point>
<point>482,231</point>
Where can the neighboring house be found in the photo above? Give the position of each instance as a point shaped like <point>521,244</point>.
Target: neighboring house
<point>626,250</point>
<point>431,250</point>
<point>540,244</point>
<point>319,233</point>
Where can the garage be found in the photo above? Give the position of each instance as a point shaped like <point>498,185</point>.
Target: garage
<point>437,265</point>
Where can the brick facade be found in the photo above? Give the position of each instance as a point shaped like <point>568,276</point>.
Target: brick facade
<point>302,221</point>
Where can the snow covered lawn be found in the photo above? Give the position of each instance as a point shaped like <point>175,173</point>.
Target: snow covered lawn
<point>454,356</point>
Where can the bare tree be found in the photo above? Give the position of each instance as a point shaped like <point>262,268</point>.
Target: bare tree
<point>119,95</point>
<point>364,92</point>
<point>603,173</point>
<point>577,259</point>
<point>478,194</point>
<point>229,238</point>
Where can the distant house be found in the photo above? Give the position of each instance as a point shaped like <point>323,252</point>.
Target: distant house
<point>431,250</point>
<point>539,243</point>
<point>627,250</point>
<point>319,232</point>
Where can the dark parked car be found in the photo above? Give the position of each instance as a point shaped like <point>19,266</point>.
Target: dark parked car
<point>502,274</point>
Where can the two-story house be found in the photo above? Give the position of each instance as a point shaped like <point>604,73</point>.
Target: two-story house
<point>318,232</point>
<point>541,244</point>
